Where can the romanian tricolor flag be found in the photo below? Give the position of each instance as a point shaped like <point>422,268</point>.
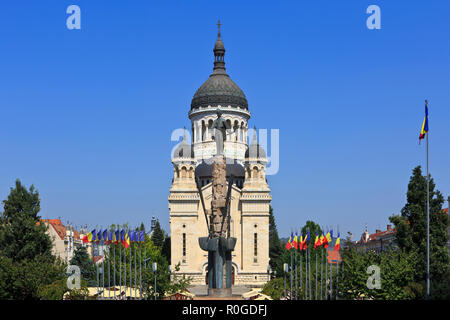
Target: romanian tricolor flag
<point>424,124</point>
<point>110,237</point>
<point>316,241</point>
<point>300,242</point>
<point>116,237</point>
<point>321,238</point>
<point>126,240</point>
<point>88,238</point>
<point>325,240</point>
<point>288,244</point>
<point>337,246</point>
<point>295,242</point>
<point>105,235</point>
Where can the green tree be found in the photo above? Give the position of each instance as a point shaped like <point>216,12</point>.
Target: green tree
<point>396,275</point>
<point>274,288</point>
<point>158,235</point>
<point>275,246</point>
<point>165,251</point>
<point>411,230</point>
<point>88,272</point>
<point>26,260</point>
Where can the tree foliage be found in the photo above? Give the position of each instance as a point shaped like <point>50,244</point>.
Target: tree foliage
<point>88,272</point>
<point>411,235</point>
<point>275,246</point>
<point>396,275</point>
<point>26,261</point>
<point>158,235</point>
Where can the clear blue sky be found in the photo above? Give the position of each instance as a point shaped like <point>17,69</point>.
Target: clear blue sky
<point>86,115</point>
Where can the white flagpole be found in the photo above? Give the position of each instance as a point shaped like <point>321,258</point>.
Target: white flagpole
<point>428,211</point>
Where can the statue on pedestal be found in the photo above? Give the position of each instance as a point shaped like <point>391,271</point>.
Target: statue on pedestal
<point>219,244</point>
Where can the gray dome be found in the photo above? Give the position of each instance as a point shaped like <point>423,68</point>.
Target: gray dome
<point>219,89</point>
<point>204,169</point>
<point>255,150</point>
<point>184,150</point>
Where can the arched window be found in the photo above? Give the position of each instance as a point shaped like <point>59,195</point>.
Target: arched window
<point>242,132</point>
<point>183,172</point>
<point>228,122</point>
<point>210,134</point>
<point>203,131</point>
<point>255,172</point>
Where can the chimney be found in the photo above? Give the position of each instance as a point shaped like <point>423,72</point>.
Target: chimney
<point>377,231</point>
<point>388,227</point>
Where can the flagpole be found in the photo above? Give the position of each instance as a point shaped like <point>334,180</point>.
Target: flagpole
<point>125,264</point>
<point>131,264</point>
<point>109,271</point>
<point>114,246</point>
<point>331,272</point>
<point>135,275</point>
<point>145,262</point>
<point>290,297</point>
<point>306,272</point>
<point>296,271</point>
<point>98,274</point>
<point>337,262</point>
<point>315,289</point>
<point>326,272</point>
<point>428,211</point>
<point>309,275</point>
<point>103,267</point>
<point>321,274</point>
<point>140,267</point>
<point>301,273</point>
<point>120,265</point>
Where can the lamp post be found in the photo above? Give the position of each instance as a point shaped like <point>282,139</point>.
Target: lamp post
<point>154,268</point>
<point>285,269</point>
<point>269,271</point>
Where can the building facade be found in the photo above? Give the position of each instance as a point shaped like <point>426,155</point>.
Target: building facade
<point>250,194</point>
<point>65,239</point>
<point>378,241</point>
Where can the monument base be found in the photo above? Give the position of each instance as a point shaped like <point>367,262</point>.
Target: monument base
<point>219,293</point>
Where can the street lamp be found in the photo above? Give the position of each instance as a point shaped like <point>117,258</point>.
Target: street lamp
<point>285,269</point>
<point>154,268</point>
<point>269,270</point>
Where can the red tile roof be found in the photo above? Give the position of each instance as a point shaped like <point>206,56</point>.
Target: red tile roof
<point>376,235</point>
<point>60,229</point>
<point>333,256</point>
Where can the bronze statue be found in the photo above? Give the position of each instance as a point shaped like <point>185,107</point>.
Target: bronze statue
<point>220,127</point>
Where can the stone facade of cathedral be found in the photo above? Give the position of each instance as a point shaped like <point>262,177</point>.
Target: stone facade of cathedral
<point>250,195</point>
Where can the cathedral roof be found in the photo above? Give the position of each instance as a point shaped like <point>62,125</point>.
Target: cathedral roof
<point>204,169</point>
<point>219,89</point>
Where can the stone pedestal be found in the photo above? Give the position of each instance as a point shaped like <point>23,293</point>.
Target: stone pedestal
<point>219,264</point>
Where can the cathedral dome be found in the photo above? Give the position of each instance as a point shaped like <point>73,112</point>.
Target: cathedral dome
<point>184,150</point>
<point>219,89</point>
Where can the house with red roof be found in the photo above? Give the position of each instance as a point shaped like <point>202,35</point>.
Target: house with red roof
<point>379,241</point>
<point>65,239</point>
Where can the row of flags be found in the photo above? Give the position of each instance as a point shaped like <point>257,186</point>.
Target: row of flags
<point>301,243</point>
<point>115,237</point>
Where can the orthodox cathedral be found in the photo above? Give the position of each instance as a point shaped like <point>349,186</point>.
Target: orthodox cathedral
<point>250,194</point>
